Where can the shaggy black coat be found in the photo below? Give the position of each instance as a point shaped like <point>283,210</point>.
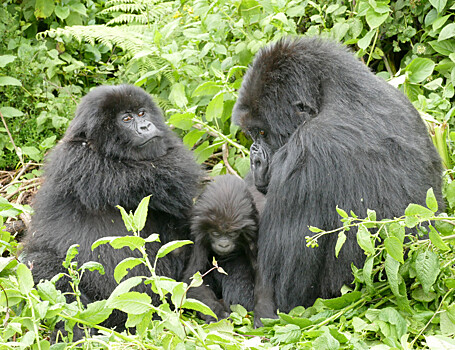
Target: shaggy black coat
<point>97,167</point>
<point>339,136</point>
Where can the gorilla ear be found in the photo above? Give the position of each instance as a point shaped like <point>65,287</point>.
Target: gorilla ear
<point>305,110</point>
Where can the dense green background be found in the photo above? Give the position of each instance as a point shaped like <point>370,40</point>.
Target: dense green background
<point>191,56</point>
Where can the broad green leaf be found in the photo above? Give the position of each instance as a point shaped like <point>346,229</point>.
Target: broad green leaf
<point>154,237</point>
<point>10,112</point>
<point>445,47</point>
<point>364,240</point>
<point>93,266</point>
<point>440,342</point>
<point>125,286</point>
<point>123,267</point>
<point>140,215</point>
<point>242,164</point>
<point>365,41</point>
<point>192,137</point>
<point>62,12</point>
<point>215,108</point>
<point>5,59</point>
<point>393,317</point>
<point>439,22</point>
<point>342,213</point>
<point>371,215</point>
<point>44,8</point>
<point>177,95</point>
<point>326,342</point>
<point>132,242</point>
<point>71,253</point>
<point>196,280</point>
<point>287,334</point>
<point>447,32</point>
<point>396,230</point>
<point>340,241</point>
<point>418,211</point>
<point>431,201</point>
<point>375,19</point>
<point>391,267</point>
<point>438,4</point>
<point>6,80</point>
<point>315,229</point>
<point>132,303</point>
<point>395,248</point>
<point>127,219</point>
<point>194,304</point>
<point>31,152</point>
<point>419,69</point>
<point>427,269</point>
<point>182,121</point>
<point>24,278</point>
<point>437,240</point>
<point>207,89</point>
<point>95,312</point>
<point>367,273</point>
<point>171,246</point>
<point>343,301</point>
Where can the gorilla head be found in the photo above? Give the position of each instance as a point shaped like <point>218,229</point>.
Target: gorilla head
<point>121,122</point>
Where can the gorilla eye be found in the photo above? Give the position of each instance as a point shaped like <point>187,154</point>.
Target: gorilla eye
<point>127,118</point>
<point>216,234</point>
<point>141,114</point>
<point>262,132</point>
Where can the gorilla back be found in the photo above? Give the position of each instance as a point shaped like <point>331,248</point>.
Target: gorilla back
<point>116,151</point>
<point>326,132</point>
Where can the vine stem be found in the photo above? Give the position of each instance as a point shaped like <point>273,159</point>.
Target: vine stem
<point>431,319</point>
<point>373,46</point>
<point>241,148</point>
<point>12,141</point>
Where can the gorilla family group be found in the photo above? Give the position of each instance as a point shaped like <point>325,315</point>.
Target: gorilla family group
<point>327,132</point>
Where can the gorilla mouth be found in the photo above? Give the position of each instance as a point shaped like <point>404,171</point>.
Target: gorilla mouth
<point>148,141</point>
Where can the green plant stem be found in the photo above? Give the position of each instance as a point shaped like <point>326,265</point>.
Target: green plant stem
<point>35,321</point>
<point>241,148</point>
<point>372,47</point>
<point>195,334</point>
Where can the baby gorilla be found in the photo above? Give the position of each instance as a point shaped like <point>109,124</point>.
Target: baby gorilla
<point>224,226</point>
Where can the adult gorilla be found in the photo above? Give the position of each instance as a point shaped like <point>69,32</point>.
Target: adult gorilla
<point>326,132</point>
<point>116,151</point>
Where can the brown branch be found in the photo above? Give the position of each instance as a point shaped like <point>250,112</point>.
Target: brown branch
<point>226,161</point>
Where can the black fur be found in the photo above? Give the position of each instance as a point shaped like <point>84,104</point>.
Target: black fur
<point>225,208</point>
<point>97,166</point>
<point>339,135</point>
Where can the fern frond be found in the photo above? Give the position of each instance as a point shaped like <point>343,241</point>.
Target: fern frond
<point>128,8</point>
<point>128,18</point>
<point>127,38</point>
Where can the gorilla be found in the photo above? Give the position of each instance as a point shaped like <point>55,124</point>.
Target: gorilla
<point>327,132</point>
<point>224,225</point>
<point>116,151</point>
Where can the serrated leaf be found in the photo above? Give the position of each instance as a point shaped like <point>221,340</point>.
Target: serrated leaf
<point>431,201</point>
<point>182,121</point>
<point>343,301</point>
<point>140,215</point>
<point>427,269</point>
<point>123,267</point>
<point>395,248</point>
<point>192,137</point>
<point>391,267</point>
<point>419,69</point>
<point>24,278</point>
<point>340,241</point>
<point>436,239</point>
<point>132,303</point>
<point>440,342</point>
<point>169,247</point>
<point>125,286</point>
<point>287,334</point>
<point>418,211</point>
<point>364,240</point>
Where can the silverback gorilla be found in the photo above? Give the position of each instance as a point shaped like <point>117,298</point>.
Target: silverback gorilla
<point>224,225</point>
<point>326,132</point>
<point>116,151</point>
